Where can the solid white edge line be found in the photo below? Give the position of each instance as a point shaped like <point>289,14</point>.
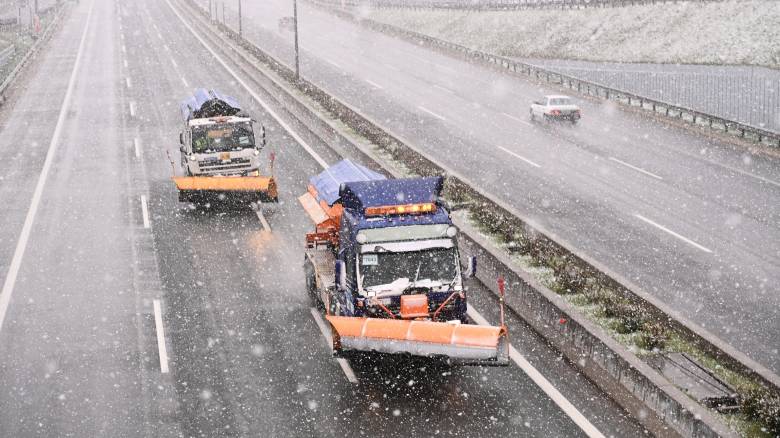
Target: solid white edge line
<point>158,325</point>
<point>569,409</point>
<point>332,63</point>
<point>145,212</point>
<point>519,156</point>
<point>137,147</point>
<point>679,236</point>
<point>24,236</point>
<point>343,363</point>
<point>254,95</point>
<point>445,89</point>
<point>638,169</point>
<point>374,84</point>
<point>422,108</point>
<point>263,222</point>
<point>517,119</point>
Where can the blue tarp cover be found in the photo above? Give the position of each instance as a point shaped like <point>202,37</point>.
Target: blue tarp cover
<point>209,103</point>
<point>359,195</point>
<point>330,180</point>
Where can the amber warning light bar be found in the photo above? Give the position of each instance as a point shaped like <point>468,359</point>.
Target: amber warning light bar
<point>385,210</point>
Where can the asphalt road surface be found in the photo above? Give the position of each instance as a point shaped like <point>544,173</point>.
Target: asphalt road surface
<point>691,219</point>
<point>127,314</point>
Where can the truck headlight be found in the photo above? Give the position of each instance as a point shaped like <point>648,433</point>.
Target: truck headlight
<point>452,231</point>
<point>257,152</point>
<point>361,238</point>
<point>192,158</point>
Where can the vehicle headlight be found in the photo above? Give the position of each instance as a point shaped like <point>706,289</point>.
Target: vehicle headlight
<point>452,231</point>
<point>361,238</point>
<point>257,152</point>
<point>192,158</point>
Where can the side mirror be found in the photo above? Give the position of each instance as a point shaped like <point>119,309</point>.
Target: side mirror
<point>181,138</point>
<point>183,150</point>
<point>262,135</point>
<point>341,275</point>
<point>471,269</point>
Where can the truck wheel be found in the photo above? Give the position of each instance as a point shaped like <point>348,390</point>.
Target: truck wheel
<point>311,284</point>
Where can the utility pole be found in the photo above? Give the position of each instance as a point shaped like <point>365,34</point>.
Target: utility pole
<point>295,25</point>
<point>240,32</point>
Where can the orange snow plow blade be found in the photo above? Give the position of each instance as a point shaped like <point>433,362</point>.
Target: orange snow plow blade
<point>462,343</point>
<point>264,187</point>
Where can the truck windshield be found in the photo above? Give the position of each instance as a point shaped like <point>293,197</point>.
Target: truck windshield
<point>222,137</point>
<point>435,264</point>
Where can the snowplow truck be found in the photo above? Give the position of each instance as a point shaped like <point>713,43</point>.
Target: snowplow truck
<point>220,154</point>
<point>383,262</point>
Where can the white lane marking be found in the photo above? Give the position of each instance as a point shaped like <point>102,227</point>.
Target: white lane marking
<point>519,157</point>
<point>544,384</point>
<point>127,81</point>
<point>422,108</point>
<point>374,84</point>
<point>184,81</point>
<point>167,49</point>
<point>332,63</point>
<point>24,236</point>
<point>132,109</point>
<point>173,61</point>
<point>125,62</point>
<point>351,377</point>
<point>445,89</point>
<point>679,236</point>
<point>159,35</point>
<point>517,119</point>
<point>137,147</point>
<point>158,325</point>
<point>638,169</point>
<point>145,211</point>
<point>121,35</point>
<point>392,67</point>
<point>745,173</point>
<point>254,95</point>
<point>124,49</point>
<point>263,222</point>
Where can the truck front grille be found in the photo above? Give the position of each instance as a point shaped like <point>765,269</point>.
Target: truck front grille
<point>218,166</point>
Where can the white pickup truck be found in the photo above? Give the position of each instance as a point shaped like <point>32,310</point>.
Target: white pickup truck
<point>555,108</point>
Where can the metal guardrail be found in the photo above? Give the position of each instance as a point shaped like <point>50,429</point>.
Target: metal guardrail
<point>6,54</point>
<point>589,88</point>
<point>502,5</point>
<point>53,9</point>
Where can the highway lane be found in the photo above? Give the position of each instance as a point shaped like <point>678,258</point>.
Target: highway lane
<point>691,219</point>
<point>113,258</point>
<point>75,356</point>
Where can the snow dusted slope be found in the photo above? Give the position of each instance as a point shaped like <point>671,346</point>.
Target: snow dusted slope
<point>729,32</point>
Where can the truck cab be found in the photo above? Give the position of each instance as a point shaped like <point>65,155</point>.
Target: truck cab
<point>393,251</point>
<point>218,139</point>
